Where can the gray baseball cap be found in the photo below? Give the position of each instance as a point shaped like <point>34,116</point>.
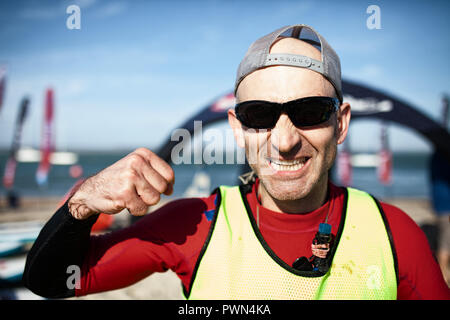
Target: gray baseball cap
<point>258,56</point>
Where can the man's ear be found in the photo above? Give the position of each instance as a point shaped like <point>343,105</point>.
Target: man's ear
<point>236,125</point>
<point>343,121</point>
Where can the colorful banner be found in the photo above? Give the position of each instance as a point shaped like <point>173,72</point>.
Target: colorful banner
<point>47,146</point>
<point>344,164</point>
<point>10,169</point>
<point>385,159</point>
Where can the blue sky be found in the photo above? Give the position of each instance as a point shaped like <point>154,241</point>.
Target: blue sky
<point>135,70</point>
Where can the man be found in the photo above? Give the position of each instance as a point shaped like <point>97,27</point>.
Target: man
<point>440,191</point>
<point>259,240</point>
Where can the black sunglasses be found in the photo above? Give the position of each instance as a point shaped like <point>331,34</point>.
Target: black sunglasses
<point>304,112</point>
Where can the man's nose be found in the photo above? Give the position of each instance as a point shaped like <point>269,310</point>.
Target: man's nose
<point>285,137</point>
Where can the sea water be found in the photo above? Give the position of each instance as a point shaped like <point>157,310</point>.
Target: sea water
<point>410,176</point>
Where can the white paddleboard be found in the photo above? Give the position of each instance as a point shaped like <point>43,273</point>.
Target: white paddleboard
<point>26,231</point>
<point>18,294</point>
<point>10,248</point>
<point>11,269</point>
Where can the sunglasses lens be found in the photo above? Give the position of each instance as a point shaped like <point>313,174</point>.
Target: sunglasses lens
<point>302,112</point>
<point>257,115</point>
<point>312,112</point>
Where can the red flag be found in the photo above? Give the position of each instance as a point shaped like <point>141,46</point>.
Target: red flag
<point>385,167</point>
<point>10,169</point>
<point>345,167</point>
<point>344,164</point>
<point>10,172</point>
<point>385,159</point>
<point>47,146</point>
<point>2,85</point>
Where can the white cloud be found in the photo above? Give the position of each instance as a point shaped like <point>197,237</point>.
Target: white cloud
<point>41,13</point>
<point>370,70</point>
<point>366,73</point>
<point>111,9</point>
<point>84,3</point>
<point>45,12</point>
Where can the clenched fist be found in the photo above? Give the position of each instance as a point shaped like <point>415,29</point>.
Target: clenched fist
<point>135,182</point>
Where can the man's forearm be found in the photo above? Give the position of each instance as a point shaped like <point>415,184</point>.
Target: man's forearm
<point>63,242</point>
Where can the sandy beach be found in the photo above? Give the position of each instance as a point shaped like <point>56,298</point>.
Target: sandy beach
<point>167,286</point>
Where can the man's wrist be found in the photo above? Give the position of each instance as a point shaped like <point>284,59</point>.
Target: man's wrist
<point>78,209</point>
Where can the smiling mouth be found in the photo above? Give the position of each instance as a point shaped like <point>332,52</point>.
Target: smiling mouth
<point>288,165</point>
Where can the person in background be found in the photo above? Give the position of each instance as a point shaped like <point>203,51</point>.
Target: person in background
<point>440,195</point>
<point>441,203</point>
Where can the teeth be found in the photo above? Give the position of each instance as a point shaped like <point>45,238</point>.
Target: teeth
<point>280,165</point>
<point>288,162</point>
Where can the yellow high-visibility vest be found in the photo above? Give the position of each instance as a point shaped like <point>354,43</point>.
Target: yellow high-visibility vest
<point>236,262</point>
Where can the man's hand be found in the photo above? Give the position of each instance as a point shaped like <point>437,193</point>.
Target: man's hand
<point>135,182</point>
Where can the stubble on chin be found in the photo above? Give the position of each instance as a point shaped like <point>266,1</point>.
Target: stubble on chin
<point>284,190</point>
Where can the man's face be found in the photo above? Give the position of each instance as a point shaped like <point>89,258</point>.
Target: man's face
<point>291,162</point>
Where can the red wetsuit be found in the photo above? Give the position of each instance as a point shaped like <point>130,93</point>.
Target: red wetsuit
<point>172,238</point>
